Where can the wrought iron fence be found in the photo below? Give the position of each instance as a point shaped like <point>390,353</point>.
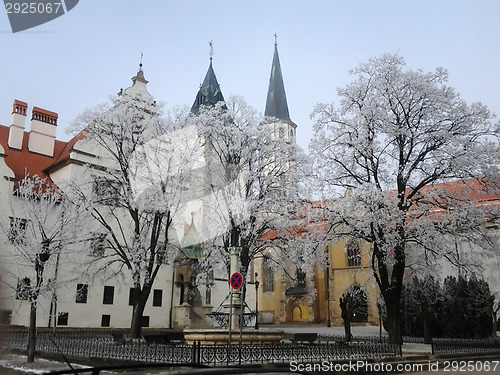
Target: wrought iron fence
<point>457,346</point>
<point>212,355</point>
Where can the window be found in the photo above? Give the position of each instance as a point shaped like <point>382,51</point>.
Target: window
<point>23,288</point>
<point>282,132</point>
<point>145,321</point>
<point>353,253</point>
<point>157,297</point>
<point>132,297</point>
<point>98,244</point>
<point>105,320</point>
<point>301,277</point>
<point>62,319</point>
<point>105,190</point>
<point>17,230</point>
<point>109,292</point>
<point>81,293</point>
<point>267,275</point>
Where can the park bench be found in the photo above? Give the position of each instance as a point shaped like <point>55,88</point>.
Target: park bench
<point>304,336</point>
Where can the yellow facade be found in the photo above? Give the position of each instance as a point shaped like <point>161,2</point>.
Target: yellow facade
<point>343,275</point>
<point>349,264</point>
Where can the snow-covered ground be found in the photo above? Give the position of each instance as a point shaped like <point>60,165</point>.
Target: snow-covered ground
<point>16,364</point>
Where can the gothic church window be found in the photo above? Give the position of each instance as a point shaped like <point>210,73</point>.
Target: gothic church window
<point>267,275</point>
<point>353,250</point>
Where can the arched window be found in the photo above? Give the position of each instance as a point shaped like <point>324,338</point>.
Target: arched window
<point>282,132</point>
<point>353,250</point>
<point>267,275</point>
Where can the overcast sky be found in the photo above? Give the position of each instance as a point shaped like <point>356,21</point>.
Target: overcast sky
<point>78,60</point>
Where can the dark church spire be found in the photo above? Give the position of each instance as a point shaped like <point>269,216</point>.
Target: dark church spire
<point>276,104</point>
<point>209,93</point>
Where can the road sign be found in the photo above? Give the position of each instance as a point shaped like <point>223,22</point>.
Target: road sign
<point>236,280</point>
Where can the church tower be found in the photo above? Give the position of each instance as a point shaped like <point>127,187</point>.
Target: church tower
<point>203,177</point>
<point>209,93</point>
<point>276,105</point>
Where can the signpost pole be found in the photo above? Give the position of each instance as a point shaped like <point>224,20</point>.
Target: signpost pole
<point>230,314</point>
<point>242,307</point>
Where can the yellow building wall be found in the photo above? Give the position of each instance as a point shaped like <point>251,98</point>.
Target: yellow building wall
<point>275,307</point>
<point>314,307</point>
<point>342,277</point>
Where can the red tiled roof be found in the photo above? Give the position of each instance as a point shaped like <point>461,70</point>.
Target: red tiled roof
<point>23,162</point>
<point>301,231</point>
<point>469,190</point>
<point>64,155</point>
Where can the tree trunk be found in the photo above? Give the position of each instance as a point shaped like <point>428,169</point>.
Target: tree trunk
<point>137,314</point>
<point>347,329</point>
<point>394,320</point>
<point>32,333</point>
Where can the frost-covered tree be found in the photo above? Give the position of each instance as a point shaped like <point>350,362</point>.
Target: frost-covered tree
<point>44,236</point>
<point>392,147</point>
<point>134,189</point>
<point>252,179</point>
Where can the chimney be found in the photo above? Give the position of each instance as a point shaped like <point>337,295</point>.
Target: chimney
<point>43,132</point>
<point>16,131</point>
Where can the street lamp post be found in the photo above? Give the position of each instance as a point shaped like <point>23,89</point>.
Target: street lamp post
<point>256,302</point>
<point>379,307</point>
<point>329,321</point>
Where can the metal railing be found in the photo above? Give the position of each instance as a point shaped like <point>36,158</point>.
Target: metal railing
<point>197,354</point>
<point>460,346</point>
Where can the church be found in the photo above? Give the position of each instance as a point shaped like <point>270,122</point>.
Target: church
<point>108,303</point>
<point>176,301</point>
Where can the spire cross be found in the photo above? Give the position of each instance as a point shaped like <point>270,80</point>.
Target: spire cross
<point>211,53</point>
<point>275,39</point>
<point>140,65</point>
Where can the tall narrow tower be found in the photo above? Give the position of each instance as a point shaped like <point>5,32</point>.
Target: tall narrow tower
<point>276,104</point>
<point>210,92</point>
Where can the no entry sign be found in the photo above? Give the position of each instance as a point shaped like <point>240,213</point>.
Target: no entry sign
<point>236,280</point>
